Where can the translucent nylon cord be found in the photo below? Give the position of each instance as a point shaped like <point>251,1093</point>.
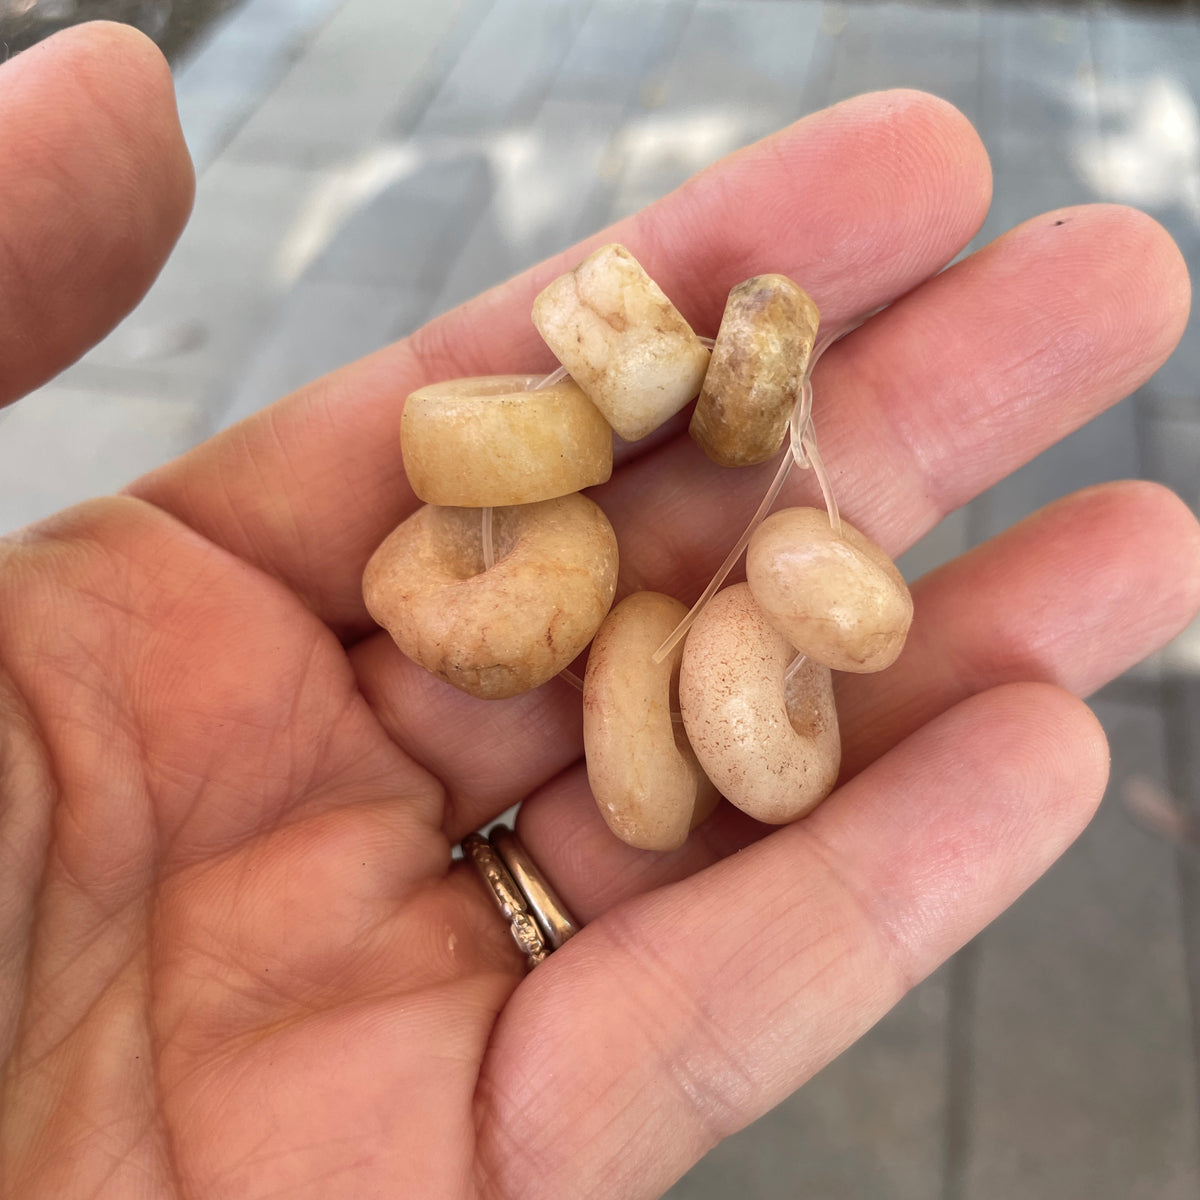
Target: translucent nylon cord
<point>809,444</point>
<point>555,376</point>
<point>489,541</point>
<point>802,450</point>
<point>793,667</point>
<point>571,678</point>
<point>730,561</point>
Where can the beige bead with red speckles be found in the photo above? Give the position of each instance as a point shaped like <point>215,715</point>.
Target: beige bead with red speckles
<point>767,737</point>
<point>501,631</point>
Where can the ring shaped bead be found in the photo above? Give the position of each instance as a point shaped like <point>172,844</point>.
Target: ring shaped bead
<point>502,631</point>
<point>766,736</point>
<point>499,439</point>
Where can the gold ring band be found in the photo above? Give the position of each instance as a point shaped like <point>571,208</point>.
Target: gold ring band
<point>538,919</point>
<point>507,896</point>
<point>548,910</point>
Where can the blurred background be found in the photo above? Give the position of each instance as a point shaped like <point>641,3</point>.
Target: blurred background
<point>365,164</point>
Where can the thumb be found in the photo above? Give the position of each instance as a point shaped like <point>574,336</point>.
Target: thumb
<point>95,186</point>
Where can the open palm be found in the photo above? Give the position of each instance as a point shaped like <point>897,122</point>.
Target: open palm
<point>235,959</point>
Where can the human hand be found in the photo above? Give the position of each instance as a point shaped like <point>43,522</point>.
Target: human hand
<point>237,960</point>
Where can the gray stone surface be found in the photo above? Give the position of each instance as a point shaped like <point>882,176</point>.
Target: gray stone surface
<point>946,540</point>
<point>322,325</point>
<point>63,444</point>
<point>506,67</point>
<point>882,46</point>
<point>1148,155</point>
<point>1182,696</point>
<point>1037,102</point>
<point>404,232</point>
<point>224,78</point>
<point>374,65</point>
<point>872,1124</point>
<point>1172,453</point>
<point>619,43</point>
<point>748,58</point>
<point>1173,392</point>
<point>218,291</point>
<point>542,184</point>
<point>740,71</point>
<point>1082,1080</point>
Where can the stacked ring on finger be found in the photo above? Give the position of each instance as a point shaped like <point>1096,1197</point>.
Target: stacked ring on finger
<point>508,571</point>
<point>538,919</point>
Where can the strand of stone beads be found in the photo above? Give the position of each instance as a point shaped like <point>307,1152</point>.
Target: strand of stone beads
<point>758,661</point>
<point>756,688</point>
<point>756,387</point>
<point>763,727</point>
<point>640,362</point>
<point>804,453</point>
<point>501,627</point>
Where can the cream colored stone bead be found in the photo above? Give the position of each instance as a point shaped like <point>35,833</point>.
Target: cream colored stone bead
<point>646,780</point>
<point>758,362</point>
<point>622,341</point>
<point>498,632</point>
<point>768,739</point>
<point>492,440</point>
<point>840,600</point>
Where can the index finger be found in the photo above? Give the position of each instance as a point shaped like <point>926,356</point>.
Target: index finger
<point>860,202</point>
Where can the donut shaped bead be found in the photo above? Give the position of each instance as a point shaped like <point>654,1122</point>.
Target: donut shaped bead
<point>499,632</point>
<point>768,738</point>
<point>836,597</point>
<point>646,780</point>
<point>495,440</point>
<point>758,362</point>
<point>622,340</point>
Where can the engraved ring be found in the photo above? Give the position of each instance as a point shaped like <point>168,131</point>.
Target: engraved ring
<point>537,918</point>
<point>551,914</point>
